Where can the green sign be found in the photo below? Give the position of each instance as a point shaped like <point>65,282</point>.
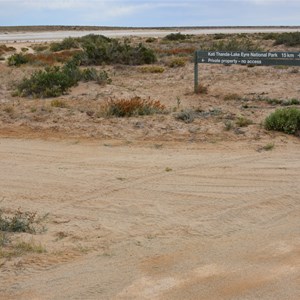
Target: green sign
<point>245,58</point>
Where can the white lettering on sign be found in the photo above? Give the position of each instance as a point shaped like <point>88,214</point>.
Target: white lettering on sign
<point>253,61</point>
<point>288,55</point>
<point>257,54</point>
<point>272,55</point>
<point>211,60</point>
<point>229,61</point>
<point>243,54</point>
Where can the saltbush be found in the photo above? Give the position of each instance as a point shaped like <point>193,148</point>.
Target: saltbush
<point>286,120</point>
<point>235,44</point>
<point>65,44</point>
<point>288,39</point>
<point>187,116</point>
<point>176,37</point>
<point>98,50</point>
<point>91,74</point>
<point>55,81</point>
<point>17,59</point>
<point>50,82</point>
<point>18,221</point>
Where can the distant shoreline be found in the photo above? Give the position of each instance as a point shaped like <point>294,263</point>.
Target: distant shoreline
<point>35,34</point>
<point>88,28</point>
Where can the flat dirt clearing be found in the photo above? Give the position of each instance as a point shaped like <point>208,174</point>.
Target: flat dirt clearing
<point>149,221</point>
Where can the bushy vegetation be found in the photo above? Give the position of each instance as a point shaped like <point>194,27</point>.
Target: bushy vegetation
<point>91,74</point>
<point>286,120</point>
<point>44,58</point>
<point>150,40</point>
<point>55,81</point>
<point>17,59</point>
<point>186,115</point>
<point>177,62</point>
<point>59,103</point>
<point>98,50</point>
<point>269,35</point>
<point>288,38</point>
<point>235,44</point>
<point>151,69</point>
<point>50,82</point>
<point>243,121</point>
<point>18,221</point>
<point>133,107</point>
<point>282,102</point>
<point>65,44</point>
<point>176,37</point>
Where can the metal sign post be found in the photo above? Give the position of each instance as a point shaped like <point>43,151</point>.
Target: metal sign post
<point>244,58</point>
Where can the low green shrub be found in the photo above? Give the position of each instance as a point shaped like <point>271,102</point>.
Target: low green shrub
<point>288,39</point>
<point>176,37</point>
<point>269,35</point>
<point>292,101</point>
<point>65,44</point>
<point>235,44</point>
<point>50,82</point>
<point>286,120</point>
<point>98,50</point>
<point>91,74</point>
<point>243,122</point>
<point>18,221</point>
<point>220,36</point>
<point>17,59</point>
<point>116,53</point>
<point>55,81</point>
<point>150,40</point>
<point>228,125</point>
<point>282,102</point>
<point>268,147</point>
<point>187,116</point>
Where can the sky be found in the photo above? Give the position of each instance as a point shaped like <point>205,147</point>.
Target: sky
<point>151,13</point>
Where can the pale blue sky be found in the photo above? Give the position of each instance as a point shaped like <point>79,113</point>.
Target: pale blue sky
<point>152,13</point>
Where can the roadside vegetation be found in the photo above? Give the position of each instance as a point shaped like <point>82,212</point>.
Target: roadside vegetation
<point>56,81</point>
<point>286,120</point>
<point>52,69</point>
<point>14,222</point>
<point>135,106</point>
<point>235,44</point>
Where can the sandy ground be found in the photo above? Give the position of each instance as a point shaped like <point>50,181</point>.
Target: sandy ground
<point>210,221</point>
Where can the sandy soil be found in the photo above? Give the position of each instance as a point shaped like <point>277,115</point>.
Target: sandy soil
<point>152,207</point>
<point>146,222</point>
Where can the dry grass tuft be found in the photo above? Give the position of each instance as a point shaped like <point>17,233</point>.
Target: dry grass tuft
<point>133,107</point>
<point>151,69</point>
